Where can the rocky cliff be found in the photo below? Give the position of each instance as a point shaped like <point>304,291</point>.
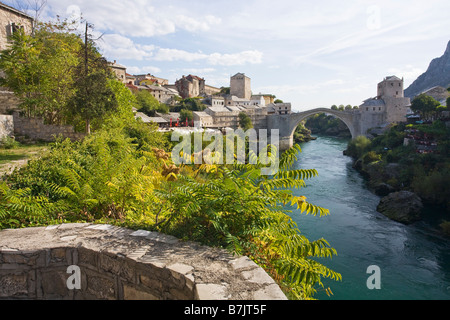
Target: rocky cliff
<point>438,74</point>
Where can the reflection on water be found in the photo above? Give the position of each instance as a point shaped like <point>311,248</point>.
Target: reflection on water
<point>414,260</point>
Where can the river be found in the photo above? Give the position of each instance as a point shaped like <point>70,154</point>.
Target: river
<point>414,260</point>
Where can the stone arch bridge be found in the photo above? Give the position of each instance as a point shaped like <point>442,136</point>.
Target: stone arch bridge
<point>289,122</point>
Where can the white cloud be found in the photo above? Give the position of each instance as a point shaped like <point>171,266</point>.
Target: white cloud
<point>120,47</point>
<point>241,58</point>
<point>143,70</point>
<point>408,72</point>
<point>137,18</point>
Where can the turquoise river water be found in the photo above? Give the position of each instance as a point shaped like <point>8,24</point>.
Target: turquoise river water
<point>414,260</point>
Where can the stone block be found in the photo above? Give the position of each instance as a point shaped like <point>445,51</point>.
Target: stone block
<point>13,285</point>
<point>271,292</point>
<point>88,258</point>
<point>257,276</point>
<point>133,293</point>
<point>100,286</point>
<point>210,292</point>
<point>24,258</point>
<point>123,268</point>
<point>53,283</point>
<point>60,256</point>
<point>243,263</point>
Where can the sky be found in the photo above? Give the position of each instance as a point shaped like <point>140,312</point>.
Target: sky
<point>309,53</point>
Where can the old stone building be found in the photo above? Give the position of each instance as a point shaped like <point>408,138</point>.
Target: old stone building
<point>389,106</point>
<point>152,79</point>
<point>12,20</point>
<point>240,86</point>
<point>119,70</point>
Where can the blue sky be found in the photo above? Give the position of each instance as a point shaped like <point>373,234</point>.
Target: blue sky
<point>309,53</point>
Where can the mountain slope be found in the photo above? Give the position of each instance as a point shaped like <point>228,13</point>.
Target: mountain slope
<point>438,74</point>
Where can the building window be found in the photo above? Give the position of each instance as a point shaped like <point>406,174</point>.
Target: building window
<point>367,109</point>
<point>379,109</point>
<point>396,92</point>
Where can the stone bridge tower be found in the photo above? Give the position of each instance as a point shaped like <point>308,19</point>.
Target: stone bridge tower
<point>389,106</point>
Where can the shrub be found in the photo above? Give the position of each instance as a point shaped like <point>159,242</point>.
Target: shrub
<point>445,227</point>
<point>9,143</point>
<point>370,157</point>
<point>358,146</point>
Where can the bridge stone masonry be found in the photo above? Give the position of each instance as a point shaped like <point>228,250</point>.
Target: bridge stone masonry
<point>389,106</point>
<point>120,264</point>
<point>286,124</point>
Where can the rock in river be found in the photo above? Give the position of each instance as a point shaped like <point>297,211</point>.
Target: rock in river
<point>403,206</point>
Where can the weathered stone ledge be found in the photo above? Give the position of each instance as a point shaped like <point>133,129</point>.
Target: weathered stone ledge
<point>121,264</point>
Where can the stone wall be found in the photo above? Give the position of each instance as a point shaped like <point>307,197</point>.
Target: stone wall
<point>35,129</point>
<point>6,126</point>
<point>8,101</point>
<point>120,264</point>
<point>9,16</point>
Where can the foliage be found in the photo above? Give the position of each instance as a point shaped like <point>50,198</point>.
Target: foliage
<point>8,143</point>
<point>445,227</point>
<point>93,98</point>
<point>370,157</point>
<point>239,208</point>
<point>302,134</point>
<point>39,69</point>
<point>425,105</point>
<point>358,147</point>
<point>186,115</point>
<point>192,104</point>
<point>245,122</point>
<point>147,103</point>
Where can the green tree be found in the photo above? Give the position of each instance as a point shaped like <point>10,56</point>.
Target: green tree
<point>146,102</point>
<point>348,107</point>
<point>93,98</point>
<point>334,107</point>
<point>424,105</point>
<point>186,115</point>
<point>40,69</point>
<point>245,122</point>
<point>358,147</point>
<point>278,101</point>
<point>238,208</point>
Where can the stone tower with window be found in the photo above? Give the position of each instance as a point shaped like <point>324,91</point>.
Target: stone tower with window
<point>240,86</point>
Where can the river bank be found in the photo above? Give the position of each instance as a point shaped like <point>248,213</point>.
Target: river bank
<point>411,182</point>
<point>414,259</point>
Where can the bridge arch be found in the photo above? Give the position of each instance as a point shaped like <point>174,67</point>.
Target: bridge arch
<point>345,117</point>
<point>286,124</point>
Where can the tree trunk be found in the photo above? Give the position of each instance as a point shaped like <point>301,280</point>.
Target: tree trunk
<point>88,126</point>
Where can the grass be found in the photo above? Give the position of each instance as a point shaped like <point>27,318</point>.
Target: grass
<point>19,155</point>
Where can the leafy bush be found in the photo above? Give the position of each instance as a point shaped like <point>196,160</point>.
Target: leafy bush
<point>111,176</point>
<point>358,146</point>
<point>370,157</point>
<point>238,208</point>
<point>9,143</point>
<point>445,227</point>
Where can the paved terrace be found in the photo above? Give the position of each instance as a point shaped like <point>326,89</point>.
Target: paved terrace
<point>122,264</point>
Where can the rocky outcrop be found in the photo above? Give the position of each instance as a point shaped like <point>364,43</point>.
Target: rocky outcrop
<point>403,206</point>
<point>438,74</point>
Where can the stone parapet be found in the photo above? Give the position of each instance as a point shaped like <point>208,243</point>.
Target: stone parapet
<point>121,264</point>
